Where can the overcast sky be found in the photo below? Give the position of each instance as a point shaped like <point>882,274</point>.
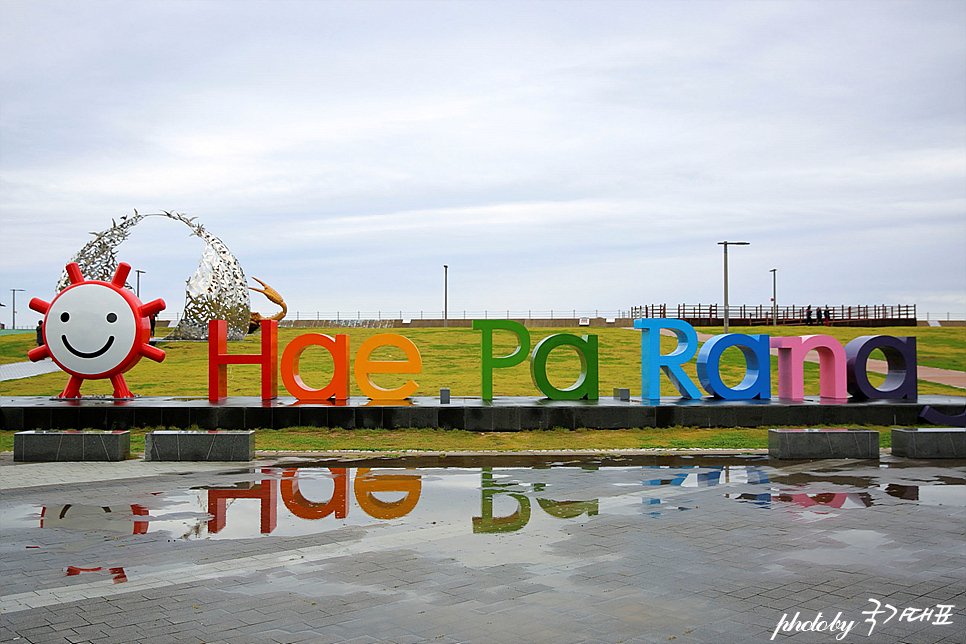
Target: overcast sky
<point>556,155</point>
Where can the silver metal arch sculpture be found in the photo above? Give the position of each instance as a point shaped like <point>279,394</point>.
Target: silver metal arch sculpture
<point>218,289</point>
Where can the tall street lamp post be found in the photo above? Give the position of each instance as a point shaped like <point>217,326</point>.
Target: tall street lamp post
<point>726,244</point>
<point>774,297</point>
<point>13,307</point>
<point>445,295</point>
<point>137,288</point>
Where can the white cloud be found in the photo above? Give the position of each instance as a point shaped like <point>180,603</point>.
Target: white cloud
<point>584,155</point>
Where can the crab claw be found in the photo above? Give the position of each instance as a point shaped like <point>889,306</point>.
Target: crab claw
<point>273,297</point>
<point>268,292</point>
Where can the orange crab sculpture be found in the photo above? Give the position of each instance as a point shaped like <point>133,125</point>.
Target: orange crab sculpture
<point>274,298</point>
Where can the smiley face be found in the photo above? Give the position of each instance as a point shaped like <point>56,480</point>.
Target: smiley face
<point>91,329</point>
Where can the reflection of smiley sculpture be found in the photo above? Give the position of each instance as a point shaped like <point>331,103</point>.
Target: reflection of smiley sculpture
<point>95,330</point>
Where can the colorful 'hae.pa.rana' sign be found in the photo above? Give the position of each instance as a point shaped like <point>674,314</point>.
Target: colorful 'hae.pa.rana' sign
<point>96,330</point>
<point>842,369</point>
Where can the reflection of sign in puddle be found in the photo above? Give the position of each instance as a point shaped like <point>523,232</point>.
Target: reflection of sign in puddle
<point>376,493</point>
<point>952,495</point>
<point>490,490</point>
<point>812,502</point>
<point>837,500</point>
<point>126,519</point>
<point>305,501</point>
<point>690,477</point>
<point>119,576</point>
<point>293,501</point>
<point>693,476</point>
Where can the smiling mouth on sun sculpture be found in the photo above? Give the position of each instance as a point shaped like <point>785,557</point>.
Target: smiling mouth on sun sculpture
<point>95,330</point>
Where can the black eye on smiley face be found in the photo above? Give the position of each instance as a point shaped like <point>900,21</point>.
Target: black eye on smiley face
<point>111,317</point>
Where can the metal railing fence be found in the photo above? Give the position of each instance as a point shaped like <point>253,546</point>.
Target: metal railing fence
<point>479,314</point>
<point>763,313</point>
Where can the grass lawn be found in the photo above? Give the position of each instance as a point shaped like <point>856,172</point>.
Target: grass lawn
<point>382,440</point>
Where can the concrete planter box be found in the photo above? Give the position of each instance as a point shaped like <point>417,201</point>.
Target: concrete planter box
<point>167,445</point>
<point>823,443</point>
<point>929,442</point>
<point>50,446</point>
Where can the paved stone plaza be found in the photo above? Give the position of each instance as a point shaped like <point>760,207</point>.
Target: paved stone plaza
<point>711,549</point>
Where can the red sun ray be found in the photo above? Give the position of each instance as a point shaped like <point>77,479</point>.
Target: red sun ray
<point>120,275</point>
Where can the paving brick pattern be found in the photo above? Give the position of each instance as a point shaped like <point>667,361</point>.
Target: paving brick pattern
<point>668,557</point>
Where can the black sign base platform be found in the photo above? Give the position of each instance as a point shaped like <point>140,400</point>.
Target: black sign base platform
<point>20,413</point>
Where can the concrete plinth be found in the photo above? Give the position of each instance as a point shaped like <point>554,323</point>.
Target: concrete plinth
<point>168,445</point>
<point>929,442</point>
<point>47,446</point>
<point>823,443</point>
<point>18,413</point>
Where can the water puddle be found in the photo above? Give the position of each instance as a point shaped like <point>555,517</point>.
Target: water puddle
<point>289,502</point>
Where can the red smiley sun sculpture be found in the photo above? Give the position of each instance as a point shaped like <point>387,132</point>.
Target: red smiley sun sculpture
<point>96,330</point>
